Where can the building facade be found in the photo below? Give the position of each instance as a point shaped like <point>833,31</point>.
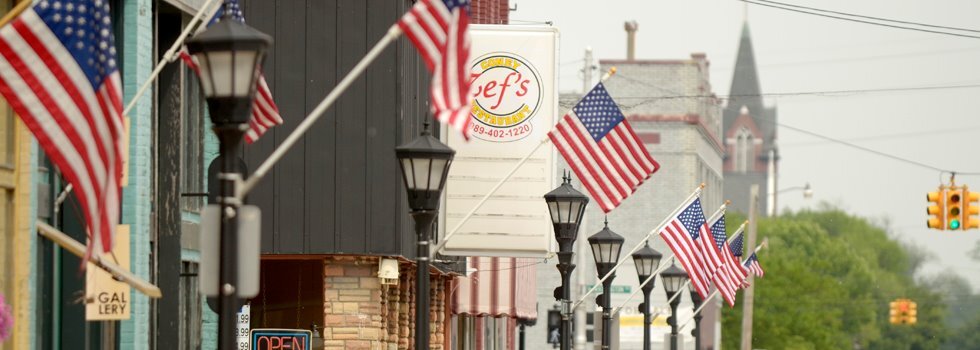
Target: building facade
<point>682,133</point>
<point>751,153</point>
<point>18,161</point>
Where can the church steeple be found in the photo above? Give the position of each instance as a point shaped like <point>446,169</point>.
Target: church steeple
<point>746,90</point>
<point>745,80</point>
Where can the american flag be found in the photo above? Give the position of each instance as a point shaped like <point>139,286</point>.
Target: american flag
<point>58,71</point>
<point>681,234</point>
<point>600,146</point>
<point>439,31</point>
<point>265,113</point>
<point>736,249</point>
<point>716,265</point>
<point>752,263</point>
<point>736,246</point>
<point>731,267</point>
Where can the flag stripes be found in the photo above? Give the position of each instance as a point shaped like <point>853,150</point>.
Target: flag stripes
<point>71,103</point>
<point>602,149</point>
<point>265,113</point>
<point>439,31</point>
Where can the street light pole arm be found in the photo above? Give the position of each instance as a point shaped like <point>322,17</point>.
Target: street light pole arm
<point>628,255</point>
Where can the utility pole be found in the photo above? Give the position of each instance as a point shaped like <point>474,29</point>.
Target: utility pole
<point>750,292</point>
<point>587,71</point>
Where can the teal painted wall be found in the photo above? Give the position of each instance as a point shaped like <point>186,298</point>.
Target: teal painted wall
<point>137,65</point>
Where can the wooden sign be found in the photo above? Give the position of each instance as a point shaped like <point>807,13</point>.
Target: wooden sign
<point>105,298</point>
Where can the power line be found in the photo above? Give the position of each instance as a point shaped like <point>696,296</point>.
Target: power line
<point>860,21</point>
<point>647,99</point>
<point>871,17</point>
<point>799,93</point>
<point>886,136</point>
<point>859,59</point>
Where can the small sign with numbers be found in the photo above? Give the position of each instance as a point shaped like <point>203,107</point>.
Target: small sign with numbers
<point>243,328</point>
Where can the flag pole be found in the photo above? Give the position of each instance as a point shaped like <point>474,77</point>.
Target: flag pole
<point>703,304</point>
<point>169,55</point>
<point>14,12</point>
<point>78,249</point>
<point>445,240</point>
<point>393,33</point>
<point>628,256</point>
<point>713,294</point>
<point>654,275</point>
<point>719,212</point>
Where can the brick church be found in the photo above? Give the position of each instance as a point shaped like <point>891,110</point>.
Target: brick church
<point>751,153</point>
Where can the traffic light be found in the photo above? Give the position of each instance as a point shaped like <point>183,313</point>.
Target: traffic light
<point>936,209</point>
<point>910,312</point>
<point>970,209</point>
<point>894,315</point>
<point>902,311</point>
<point>954,212</point>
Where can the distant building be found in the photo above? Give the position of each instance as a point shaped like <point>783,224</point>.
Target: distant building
<point>682,134</point>
<point>749,134</point>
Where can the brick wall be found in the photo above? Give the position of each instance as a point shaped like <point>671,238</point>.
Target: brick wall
<point>490,11</point>
<point>137,64</point>
<point>361,313</point>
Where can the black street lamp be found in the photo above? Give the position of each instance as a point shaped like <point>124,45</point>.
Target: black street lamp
<point>229,54</point>
<point>606,246</point>
<point>567,206</point>
<point>673,279</point>
<point>425,164</point>
<point>696,332</point>
<point>646,260</point>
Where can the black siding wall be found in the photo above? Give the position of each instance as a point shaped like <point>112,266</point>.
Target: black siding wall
<point>338,191</point>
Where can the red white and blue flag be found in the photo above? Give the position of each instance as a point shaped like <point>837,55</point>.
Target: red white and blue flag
<point>682,233</point>
<point>600,146</point>
<point>265,113</point>
<point>439,31</point>
<point>736,248</point>
<point>732,270</point>
<point>752,263</point>
<point>58,72</point>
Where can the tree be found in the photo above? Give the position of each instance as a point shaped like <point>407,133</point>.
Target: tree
<point>829,279</point>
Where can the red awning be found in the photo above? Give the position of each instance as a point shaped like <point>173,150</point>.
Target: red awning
<point>498,287</point>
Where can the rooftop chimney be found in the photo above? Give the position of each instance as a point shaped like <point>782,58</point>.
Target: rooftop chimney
<point>631,27</point>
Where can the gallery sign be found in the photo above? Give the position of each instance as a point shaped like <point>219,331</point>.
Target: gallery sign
<point>515,103</point>
<point>106,298</point>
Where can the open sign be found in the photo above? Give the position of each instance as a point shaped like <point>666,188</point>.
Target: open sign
<point>280,339</point>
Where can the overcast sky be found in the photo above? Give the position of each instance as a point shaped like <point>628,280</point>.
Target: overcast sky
<point>799,52</point>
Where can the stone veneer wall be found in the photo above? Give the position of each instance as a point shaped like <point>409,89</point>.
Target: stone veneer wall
<point>361,313</point>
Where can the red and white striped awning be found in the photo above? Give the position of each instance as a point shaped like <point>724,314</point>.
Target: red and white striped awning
<point>498,287</point>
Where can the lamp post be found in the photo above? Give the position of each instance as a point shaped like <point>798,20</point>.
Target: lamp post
<point>567,206</point>
<point>229,54</point>
<point>425,164</point>
<point>646,260</point>
<point>606,246</point>
<point>673,278</point>
<point>807,194</point>
<point>696,332</point>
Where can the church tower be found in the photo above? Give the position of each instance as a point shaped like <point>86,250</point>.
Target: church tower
<point>751,155</point>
